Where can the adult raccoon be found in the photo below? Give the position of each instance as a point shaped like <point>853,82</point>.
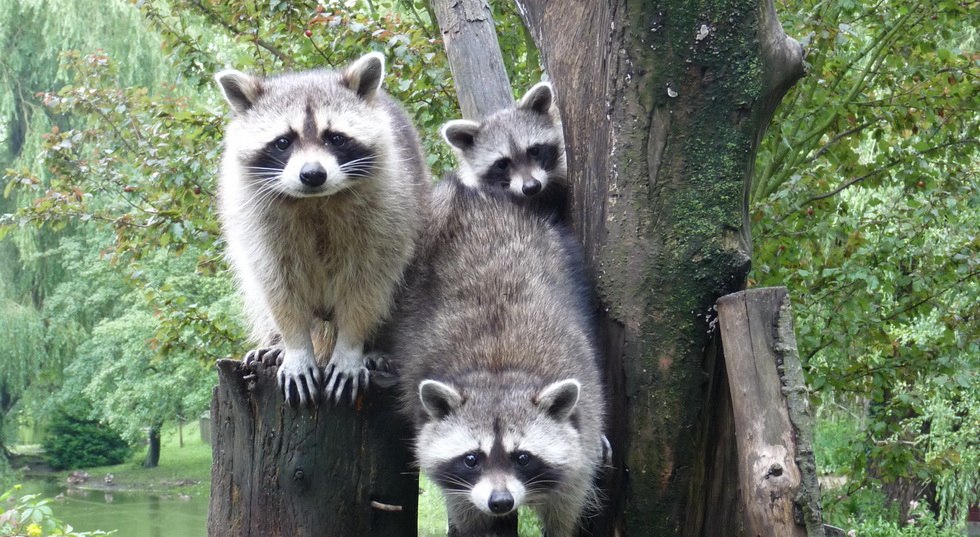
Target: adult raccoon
<point>322,196</point>
<point>497,362</point>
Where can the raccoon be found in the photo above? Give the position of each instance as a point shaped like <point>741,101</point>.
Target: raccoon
<point>520,150</point>
<point>322,196</point>
<point>497,364</point>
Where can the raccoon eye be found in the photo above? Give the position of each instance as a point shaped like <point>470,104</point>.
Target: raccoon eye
<point>522,458</point>
<point>502,164</point>
<point>534,151</point>
<point>470,460</point>
<point>336,139</point>
<point>282,143</point>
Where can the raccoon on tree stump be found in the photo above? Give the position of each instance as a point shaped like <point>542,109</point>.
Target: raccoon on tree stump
<point>322,195</point>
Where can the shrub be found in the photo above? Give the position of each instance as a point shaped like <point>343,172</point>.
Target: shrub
<point>75,442</point>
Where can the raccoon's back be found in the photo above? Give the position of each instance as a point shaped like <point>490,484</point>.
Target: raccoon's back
<point>497,289</point>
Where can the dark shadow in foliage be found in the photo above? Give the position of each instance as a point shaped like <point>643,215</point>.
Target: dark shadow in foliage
<point>76,442</point>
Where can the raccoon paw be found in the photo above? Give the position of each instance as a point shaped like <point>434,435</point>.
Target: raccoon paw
<point>381,372</point>
<point>300,380</point>
<point>338,377</point>
<point>266,356</point>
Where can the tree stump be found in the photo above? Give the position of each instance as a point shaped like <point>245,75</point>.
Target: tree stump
<point>773,426</point>
<point>331,471</point>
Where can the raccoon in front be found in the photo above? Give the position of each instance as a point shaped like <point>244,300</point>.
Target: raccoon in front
<point>322,196</point>
<point>498,365</point>
<point>520,150</point>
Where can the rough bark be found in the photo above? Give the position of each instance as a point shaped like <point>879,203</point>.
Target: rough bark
<point>663,105</point>
<point>328,472</point>
<point>152,459</point>
<point>773,426</point>
<point>474,56</point>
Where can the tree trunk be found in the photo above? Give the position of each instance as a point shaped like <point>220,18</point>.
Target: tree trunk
<point>333,471</point>
<point>153,451</point>
<point>474,56</point>
<point>663,105</point>
<point>773,426</point>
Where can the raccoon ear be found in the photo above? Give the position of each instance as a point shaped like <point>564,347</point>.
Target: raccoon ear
<point>460,133</point>
<point>438,399</point>
<point>538,99</point>
<point>558,399</point>
<point>365,74</point>
<point>240,90</point>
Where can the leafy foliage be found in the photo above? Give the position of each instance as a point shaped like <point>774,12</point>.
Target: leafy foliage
<point>32,516</point>
<point>78,442</point>
<point>865,203</point>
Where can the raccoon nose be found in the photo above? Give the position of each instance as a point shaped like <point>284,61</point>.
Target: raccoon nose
<point>531,187</point>
<point>501,502</point>
<point>312,174</point>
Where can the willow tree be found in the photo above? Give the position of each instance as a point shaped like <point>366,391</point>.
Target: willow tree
<point>664,104</point>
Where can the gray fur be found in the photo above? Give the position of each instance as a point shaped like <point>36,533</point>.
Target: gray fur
<point>507,136</point>
<point>496,343</point>
<point>304,252</point>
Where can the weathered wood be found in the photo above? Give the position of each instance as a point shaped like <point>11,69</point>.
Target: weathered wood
<point>663,104</point>
<point>329,472</point>
<point>482,86</point>
<point>773,427</point>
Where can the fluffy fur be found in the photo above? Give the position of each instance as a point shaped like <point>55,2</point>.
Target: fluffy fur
<point>520,150</point>
<point>322,196</point>
<point>498,365</point>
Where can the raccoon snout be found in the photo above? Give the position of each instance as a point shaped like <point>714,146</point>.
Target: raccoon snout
<point>531,187</point>
<point>501,502</point>
<point>313,174</point>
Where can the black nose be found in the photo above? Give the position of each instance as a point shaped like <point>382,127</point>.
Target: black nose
<point>313,174</point>
<point>531,187</point>
<point>501,502</point>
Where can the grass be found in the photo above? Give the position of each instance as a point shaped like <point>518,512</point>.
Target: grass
<point>432,514</point>
<point>178,465</point>
<point>193,462</point>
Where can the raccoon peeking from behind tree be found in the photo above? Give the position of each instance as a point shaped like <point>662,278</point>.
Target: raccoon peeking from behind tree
<point>323,193</point>
<point>498,364</point>
<point>520,150</point>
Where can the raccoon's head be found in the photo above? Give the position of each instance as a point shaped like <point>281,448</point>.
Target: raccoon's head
<point>499,454</point>
<point>309,133</point>
<point>520,149</point>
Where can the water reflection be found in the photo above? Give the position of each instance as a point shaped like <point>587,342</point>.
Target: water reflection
<point>132,514</point>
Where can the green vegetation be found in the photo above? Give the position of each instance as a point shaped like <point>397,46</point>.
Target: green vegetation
<point>31,516</point>
<point>74,442</point>
<point>865,203</point>
<point>186,467</point>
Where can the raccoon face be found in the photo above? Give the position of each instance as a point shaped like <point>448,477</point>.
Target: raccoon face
<point>500,455</point>
<point>519,150</point>
<point>307,134</point>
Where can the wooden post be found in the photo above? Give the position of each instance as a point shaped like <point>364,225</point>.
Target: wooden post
<point>773,427</point>
<point>332,471</point>
<point>474,56</point>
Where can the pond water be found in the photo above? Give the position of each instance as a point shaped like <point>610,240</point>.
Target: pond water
<point>130,513</point>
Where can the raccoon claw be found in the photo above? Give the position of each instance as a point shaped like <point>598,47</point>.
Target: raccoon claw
<point>337,381</point>
<point>267,356</point>
<point>606,451</point>
<point>300,389</point>
<point>378,362</point>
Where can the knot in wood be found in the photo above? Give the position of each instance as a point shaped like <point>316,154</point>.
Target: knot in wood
<point>298,474</point>
<point>774,471</point>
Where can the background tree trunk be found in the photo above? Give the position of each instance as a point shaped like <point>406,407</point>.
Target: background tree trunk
<point>663,106</point>
<point>474,56</point>
<point>332,471</point>
<point>152,459</point>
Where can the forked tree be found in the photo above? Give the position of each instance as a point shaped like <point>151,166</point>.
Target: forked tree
<point>664,104</point>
